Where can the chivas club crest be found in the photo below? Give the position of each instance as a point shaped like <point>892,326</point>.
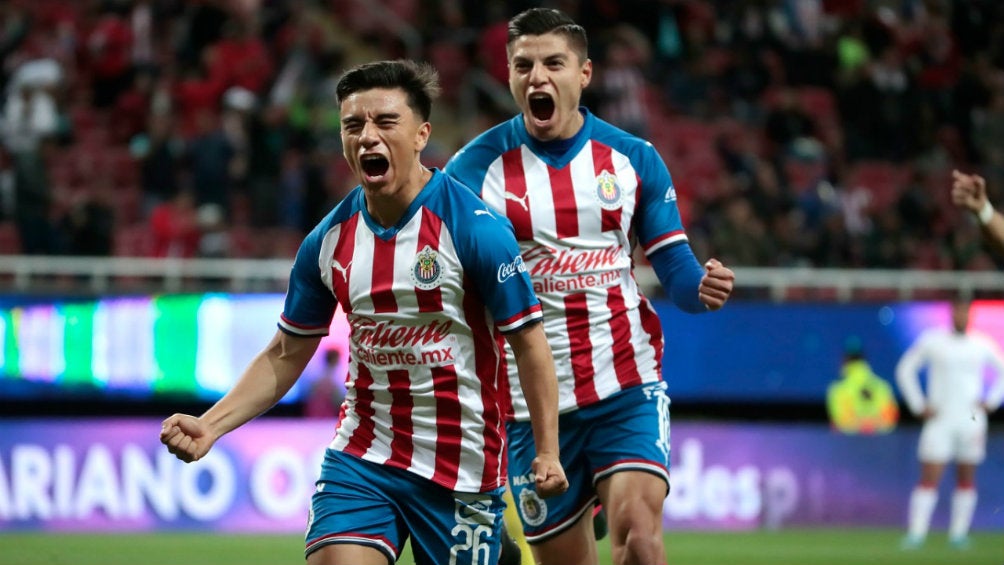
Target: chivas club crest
<point>608,192</point>
<point>426,270</point>
<point>533,509</point>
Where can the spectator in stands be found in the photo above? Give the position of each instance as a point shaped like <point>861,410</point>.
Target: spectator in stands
<point>939,62</point>
<point>159,152</point>
<point>132,107</point>
<point>988,133</point>
<point>742,235</point>
<point>974,107</point>
<point>214,234</point>
<point>109,54</point>
<point>195,94</point>
<point>87,228</point>
<point>746,78</point>
<point>211,155</point>
<point>893,95</point>
<point>294,183</point>
<point>886,242</point>
<point>719,55</point>
<point>915,206</point>
<point>267,136</point>
<point>241,58</point>
<point>622,83</point>
<point>175,227</point>
<point>787,123</point>
<point>31,125</point>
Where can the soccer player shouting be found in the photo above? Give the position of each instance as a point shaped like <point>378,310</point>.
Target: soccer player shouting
<point>580,194</point>
<point>428,279</point>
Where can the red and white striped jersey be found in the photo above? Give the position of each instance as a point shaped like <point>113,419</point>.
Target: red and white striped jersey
<point>426,301</point>
<point>578,207</point>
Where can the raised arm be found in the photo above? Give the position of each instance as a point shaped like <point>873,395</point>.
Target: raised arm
<point>691,287</point>
<point>970,192</point>
<point>540,388</point>
<point>267,378</point>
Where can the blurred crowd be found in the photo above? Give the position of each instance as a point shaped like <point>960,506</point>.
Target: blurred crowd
<point>798,132</point>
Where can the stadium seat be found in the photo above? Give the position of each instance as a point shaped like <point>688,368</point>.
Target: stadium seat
<point>820,103</point>
<point>133,241</point>
<point>884,180</point>
<point>803,174</point>
<point>10,240</point>
<point>451,61</point>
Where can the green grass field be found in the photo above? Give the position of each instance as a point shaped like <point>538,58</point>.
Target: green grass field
<point>788,547</point>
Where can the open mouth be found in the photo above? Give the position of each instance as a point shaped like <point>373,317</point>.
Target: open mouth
<point>541,106</point>
<point>374,165</point>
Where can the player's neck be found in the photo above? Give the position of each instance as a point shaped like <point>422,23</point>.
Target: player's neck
<point>387,206</point>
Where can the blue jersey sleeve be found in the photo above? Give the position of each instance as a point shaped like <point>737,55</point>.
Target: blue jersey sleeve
<point>657,220</point>
<point>462,168</point>
<point>470,164</point>
<point>310,305</point>
<point>680,274</point>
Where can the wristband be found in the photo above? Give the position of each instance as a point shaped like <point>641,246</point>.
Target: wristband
<point>985,213</point>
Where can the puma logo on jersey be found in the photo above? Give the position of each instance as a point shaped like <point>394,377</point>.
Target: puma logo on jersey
<point>482,212</point>
<point>522,200</point>
<point>343,270</point>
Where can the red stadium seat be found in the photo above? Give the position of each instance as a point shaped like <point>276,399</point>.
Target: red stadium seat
<point>133,241</point>
<point>882,179</point>
<point>10,240</point>
<point>820,103</point>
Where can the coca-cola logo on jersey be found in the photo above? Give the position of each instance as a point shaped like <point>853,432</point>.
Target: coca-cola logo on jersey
<point>509,270</point>
<point>369,332</point>
<point>545,260</point>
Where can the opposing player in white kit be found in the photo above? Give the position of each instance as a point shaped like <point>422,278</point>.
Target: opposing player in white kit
<point>581,194</point>
<point>429,280</point>
<point>954,409</point>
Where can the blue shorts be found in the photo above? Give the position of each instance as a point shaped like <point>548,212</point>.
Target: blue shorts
<point>363,503</point>
<point>625,432</point>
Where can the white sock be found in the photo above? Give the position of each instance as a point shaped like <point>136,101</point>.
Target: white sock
<point>922,503</point>
<point>963,506</point>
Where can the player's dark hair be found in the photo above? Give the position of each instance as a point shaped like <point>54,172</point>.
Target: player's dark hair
<point>419,81</point>
<point>538,21</point>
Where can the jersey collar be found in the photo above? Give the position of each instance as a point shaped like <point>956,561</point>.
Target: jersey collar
<point>560,152</point>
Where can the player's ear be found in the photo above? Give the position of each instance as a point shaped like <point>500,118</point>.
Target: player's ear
<point>586,75</point>
<point>422,136</point>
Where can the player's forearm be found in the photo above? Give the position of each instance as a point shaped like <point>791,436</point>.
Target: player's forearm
<point>994,230</point>
<point>267,378</point>
<point>909,384</point>
<point>537,378</point>
<point>680,274</point>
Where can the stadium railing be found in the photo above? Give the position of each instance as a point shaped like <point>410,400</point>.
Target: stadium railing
<point>99,275</point>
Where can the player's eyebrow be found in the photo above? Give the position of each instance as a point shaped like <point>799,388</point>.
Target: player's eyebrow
<point>354,119</point>
<point>553,57</point>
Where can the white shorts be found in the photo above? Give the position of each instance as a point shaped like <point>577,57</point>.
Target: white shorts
<point>963,440</point>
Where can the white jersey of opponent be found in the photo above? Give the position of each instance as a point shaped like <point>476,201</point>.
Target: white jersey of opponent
<point>426,301</point>
<point>955,365</point>
<point>578,207</point>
